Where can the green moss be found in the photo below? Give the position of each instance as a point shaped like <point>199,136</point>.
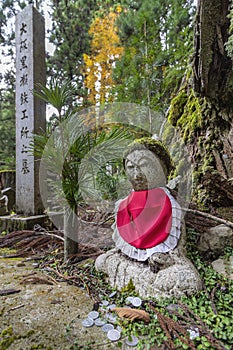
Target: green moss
<point>196,117</point>
<point>177,107</point>
<point>156,147</point>
<point>129,288</point>
<point>186,112</point>
<point>7,171</point>
<point>191,118</point>
<point>40,346</point>
<point>7,337</point>
<point>168,133</point>
<point>7,251</point>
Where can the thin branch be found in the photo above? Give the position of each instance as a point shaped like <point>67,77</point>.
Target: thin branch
<point>51,235</point>
<point>42,231</point>
<point>208,216</point>
<point>16,307</point>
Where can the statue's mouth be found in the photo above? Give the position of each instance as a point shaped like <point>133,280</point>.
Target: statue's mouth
<point>140,185</point>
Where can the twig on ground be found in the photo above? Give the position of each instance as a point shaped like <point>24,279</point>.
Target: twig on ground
<point>209,216</point>
<point>36,280</point>
<point>4,292</point>
<point>42,231</point>
<point>171,327</point>
<point>16,307</point>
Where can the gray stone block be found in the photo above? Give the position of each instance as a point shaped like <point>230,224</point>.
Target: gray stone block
<point>30,110</point>
<point>16,223</point>
<point>214,241</point>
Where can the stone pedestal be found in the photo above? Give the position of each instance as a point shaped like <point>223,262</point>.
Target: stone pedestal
<point>17,223</point>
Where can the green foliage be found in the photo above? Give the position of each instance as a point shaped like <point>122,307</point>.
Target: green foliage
<point>7,130</point>
<point>209,310</point>
<point>57,95</point>
<point>82,151</point>
<point>157,39</point>
<point>70,24</point>
<point>212,308</point>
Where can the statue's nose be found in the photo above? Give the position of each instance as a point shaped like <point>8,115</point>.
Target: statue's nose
<point>137,174</point>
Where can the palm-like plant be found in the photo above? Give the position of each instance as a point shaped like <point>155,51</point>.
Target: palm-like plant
<point>74,153</point>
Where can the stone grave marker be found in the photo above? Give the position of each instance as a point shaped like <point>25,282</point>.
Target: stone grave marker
<point>30,111</point>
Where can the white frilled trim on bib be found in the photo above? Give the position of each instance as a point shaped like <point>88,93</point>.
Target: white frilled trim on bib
<point>169,244</point>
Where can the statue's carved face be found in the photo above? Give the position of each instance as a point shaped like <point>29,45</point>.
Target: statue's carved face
<point>144,170</point>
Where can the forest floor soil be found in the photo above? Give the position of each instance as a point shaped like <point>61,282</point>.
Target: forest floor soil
<point>44,313</point>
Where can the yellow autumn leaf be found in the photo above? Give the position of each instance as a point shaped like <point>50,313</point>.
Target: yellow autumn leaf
<point>105,50</point>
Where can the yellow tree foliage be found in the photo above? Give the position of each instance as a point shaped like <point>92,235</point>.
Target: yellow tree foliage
<point>105,50</point>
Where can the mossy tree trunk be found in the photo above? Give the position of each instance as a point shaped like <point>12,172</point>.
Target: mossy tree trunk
<point>203,109</point>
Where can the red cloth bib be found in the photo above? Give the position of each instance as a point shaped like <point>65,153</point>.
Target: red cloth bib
<point>144,218</point>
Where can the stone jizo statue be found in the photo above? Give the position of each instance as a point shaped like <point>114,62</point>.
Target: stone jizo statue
<point>148,231</point>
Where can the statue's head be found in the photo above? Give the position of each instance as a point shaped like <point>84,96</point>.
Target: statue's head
<point>147,164</point>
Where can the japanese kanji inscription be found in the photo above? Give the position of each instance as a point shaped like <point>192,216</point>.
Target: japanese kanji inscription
<point>30,111</point>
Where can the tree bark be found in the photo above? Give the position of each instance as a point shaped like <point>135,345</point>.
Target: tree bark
<point>211,146</point>
<point>70,233</point>
<point>212,66</point>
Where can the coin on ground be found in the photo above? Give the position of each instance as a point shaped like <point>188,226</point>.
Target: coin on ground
<point>137,302</point>
<point>119,329</point>
<point>93,315</point>
<point>129,300</point>
<point>113,335</point>
<point>131,341</point>
<point>99,322</point>
<point>88,322</point>
<point>111,318</point>
<point>107,327</point>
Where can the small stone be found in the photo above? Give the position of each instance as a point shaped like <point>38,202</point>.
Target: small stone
<point>129,300</point>
<point>99,322</point>
<point>173,307</point>
<point>131,341</point>
<point>119,329</point>
<point>137,302</point>
<point>112,306</point>
<point>112,294</point>
<point>93,315</point>
<point>107,327</point>
<point>193,333</point>
<point>104,303</point>
<point>111,318</point>
<point>113,335</point>
<point>35,265</point>
<point>88,322</point>
<point>20,264</point>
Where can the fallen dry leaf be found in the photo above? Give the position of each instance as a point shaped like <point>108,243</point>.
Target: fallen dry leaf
<point>132,314</point>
